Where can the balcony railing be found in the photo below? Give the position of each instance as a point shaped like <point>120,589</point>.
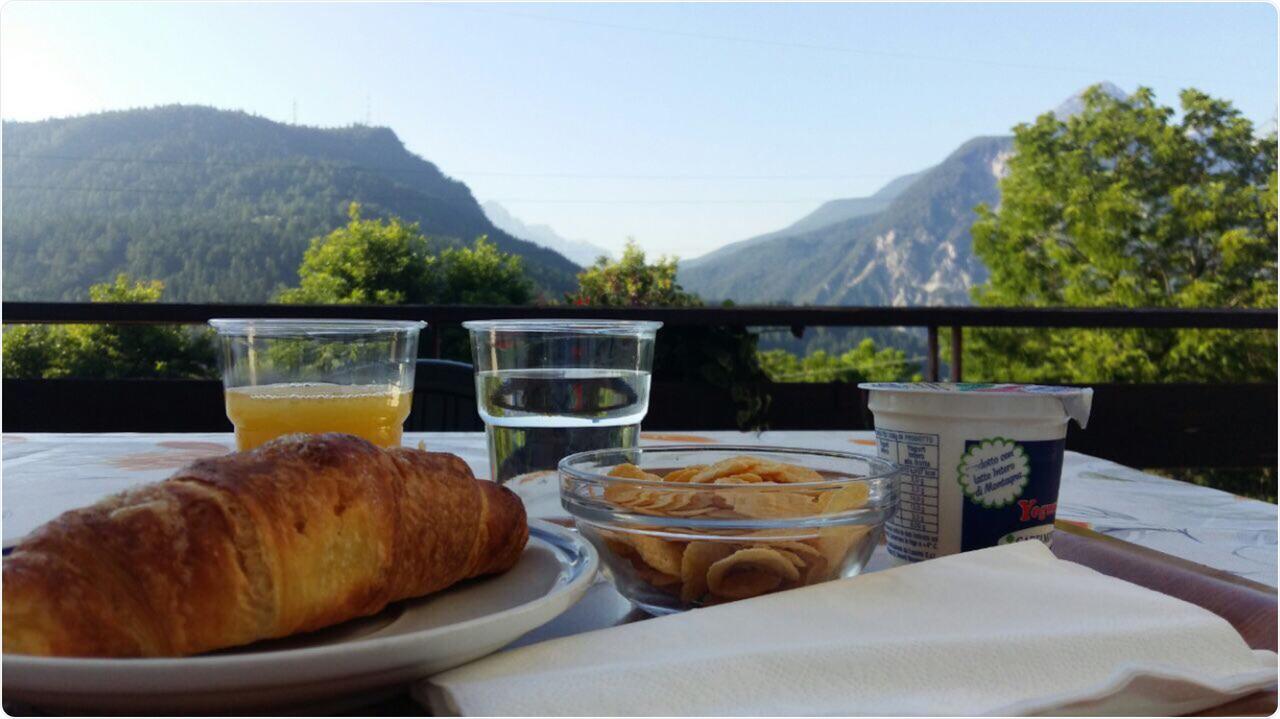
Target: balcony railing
<point>1144,425</point>
<point>794,318</point>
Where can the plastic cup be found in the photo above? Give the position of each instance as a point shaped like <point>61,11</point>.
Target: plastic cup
<point>310,376</point>
<point>550,388</point>
<point>981,463</point>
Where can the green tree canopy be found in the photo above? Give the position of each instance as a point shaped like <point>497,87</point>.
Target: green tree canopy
<point>483,275</point>
<point>389,262</point>
<point>863,363</point>
<point>632,282</point>
<point>366,262</point>
<point>110,351</point>
<point>1126,204</point>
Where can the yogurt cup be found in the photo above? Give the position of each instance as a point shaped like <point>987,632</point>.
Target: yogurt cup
<point>981,462</point>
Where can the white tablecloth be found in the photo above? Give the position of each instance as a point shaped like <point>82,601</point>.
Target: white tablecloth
<point>45,474</point>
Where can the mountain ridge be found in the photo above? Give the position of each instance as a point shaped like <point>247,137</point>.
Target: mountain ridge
<point>916,251</point>
<point>219,204</point>
<point>906,244</point>
<point>828,213</point>
<point>580,251</point>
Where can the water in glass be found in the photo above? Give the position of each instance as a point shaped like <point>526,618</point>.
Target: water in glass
<point>535,417</point>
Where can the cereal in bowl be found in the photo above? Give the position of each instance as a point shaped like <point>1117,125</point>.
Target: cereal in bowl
<point>733,563</point>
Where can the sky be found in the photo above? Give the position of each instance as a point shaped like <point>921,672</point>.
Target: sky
<point>684,126</point>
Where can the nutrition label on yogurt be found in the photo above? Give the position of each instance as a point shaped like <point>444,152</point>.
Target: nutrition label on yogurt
<point>913,530</point>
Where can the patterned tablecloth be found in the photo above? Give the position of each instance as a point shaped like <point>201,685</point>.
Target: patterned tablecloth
<point>45,474</point>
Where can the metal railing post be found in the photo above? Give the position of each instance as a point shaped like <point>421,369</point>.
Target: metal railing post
<point>957,334</point>
<point>931,357</point>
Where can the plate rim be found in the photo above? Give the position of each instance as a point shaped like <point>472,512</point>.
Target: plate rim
<point>579,560</point>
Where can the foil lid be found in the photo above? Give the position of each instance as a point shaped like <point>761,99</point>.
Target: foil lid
<point>1076,401</point>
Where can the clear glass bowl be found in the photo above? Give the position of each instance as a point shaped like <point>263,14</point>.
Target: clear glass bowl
<point>677,545</point>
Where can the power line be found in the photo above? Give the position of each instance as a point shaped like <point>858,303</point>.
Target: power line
<point>478,173</point>
<point>634,201</point>
<point>166,191</point>
<point>82,188</point>
<point>274,164</point>
<point>580,175</point>
<point>1095,72</point>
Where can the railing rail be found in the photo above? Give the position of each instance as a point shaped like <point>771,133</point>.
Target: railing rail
<point>795,318</point>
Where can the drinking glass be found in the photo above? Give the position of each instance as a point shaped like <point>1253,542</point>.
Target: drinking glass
<point>550,388</point>
<point>312,376</point>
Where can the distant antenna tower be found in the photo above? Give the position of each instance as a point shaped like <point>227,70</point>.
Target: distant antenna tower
<point>295,111</point>
<point>368,111</point>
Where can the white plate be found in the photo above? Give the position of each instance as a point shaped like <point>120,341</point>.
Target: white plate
<point>408,641</point>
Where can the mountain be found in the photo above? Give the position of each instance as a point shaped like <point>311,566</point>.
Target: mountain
<point>916,251</point>
<point>220,205</point>
<point>1074,105</point>
<point>580,251</point>
<point>828,213</point>
<point>834,211</point>
<point>908,244</point>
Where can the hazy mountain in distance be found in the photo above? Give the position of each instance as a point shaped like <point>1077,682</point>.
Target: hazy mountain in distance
<point>1074,105</point>
<point>580,251</point>
<point>828,213</point>
<point>220,205</point>
<point>834,211</point>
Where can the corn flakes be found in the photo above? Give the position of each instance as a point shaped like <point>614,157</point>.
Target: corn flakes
<point>742,564</point>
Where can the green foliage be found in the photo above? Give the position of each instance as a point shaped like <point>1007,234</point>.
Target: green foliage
<point>632,282</point>
<point>390,262</point>
<point>863,363</point>
<point>483,275</point>
<point>366,262</point>
<point>1122,205</point>
<point>109,351</point>
<point>724,357</point>
<point>1258,483</point>
<point>219,205</point>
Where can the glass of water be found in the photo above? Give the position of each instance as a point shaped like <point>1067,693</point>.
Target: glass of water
<point>550,388</point>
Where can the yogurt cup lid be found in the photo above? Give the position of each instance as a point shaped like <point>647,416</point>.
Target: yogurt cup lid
<point>1076,401</point>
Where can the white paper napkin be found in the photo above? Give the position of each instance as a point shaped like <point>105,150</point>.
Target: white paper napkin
<point>1007,630</point>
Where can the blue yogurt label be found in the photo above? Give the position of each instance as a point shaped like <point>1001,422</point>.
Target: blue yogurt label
<point>1010,490</point>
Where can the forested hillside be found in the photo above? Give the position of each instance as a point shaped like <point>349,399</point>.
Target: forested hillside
<point>219,205</point>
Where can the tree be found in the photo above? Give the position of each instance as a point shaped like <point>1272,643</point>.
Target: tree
<point>724,357</point>
<point>863,363</point>
<point>110,351</point>
<point>366,262</point>
<point>389,262</point>
<point>1124,205</point>
<point>483,275</point>
<point>632,282</point>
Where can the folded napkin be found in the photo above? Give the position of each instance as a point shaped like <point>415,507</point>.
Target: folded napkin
<point>1007,630</point>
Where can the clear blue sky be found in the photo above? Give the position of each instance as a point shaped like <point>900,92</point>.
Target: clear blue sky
<point>685,126</point>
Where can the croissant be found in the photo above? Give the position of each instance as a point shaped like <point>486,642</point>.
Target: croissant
<point>304,532</point>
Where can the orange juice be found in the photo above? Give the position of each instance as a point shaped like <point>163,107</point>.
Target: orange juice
<point>264,412</point>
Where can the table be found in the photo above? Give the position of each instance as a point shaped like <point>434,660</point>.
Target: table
<point>45,474</point>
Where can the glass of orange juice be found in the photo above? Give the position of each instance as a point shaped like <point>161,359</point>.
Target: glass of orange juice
<point>286,376</point>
